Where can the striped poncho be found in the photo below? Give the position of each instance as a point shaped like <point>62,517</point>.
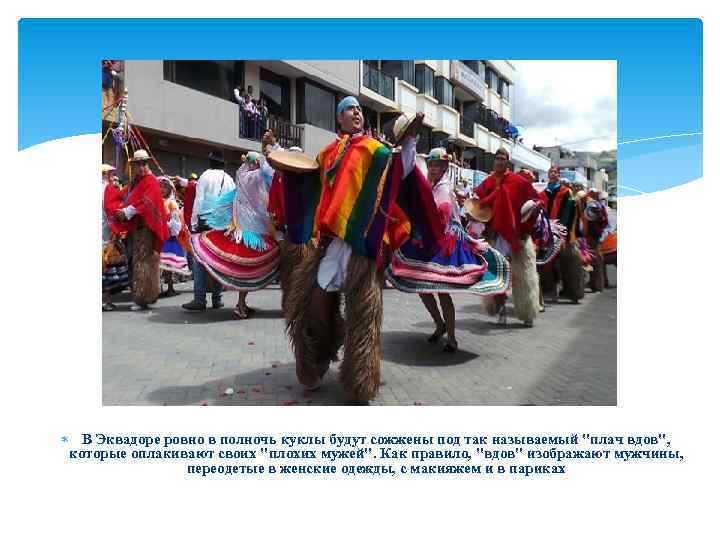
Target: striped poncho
<point>354,195</point>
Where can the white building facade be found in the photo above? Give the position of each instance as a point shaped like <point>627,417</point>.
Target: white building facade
<point>187,108</point>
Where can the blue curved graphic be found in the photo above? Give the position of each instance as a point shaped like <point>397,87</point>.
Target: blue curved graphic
<point>659,66</point>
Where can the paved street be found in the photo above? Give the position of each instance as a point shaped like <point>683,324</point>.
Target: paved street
<point>169,357</point>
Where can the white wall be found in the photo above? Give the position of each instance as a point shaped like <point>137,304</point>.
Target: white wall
<point>315,139</point>
<point>164,106</point>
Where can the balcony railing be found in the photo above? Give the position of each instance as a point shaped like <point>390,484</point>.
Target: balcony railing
<point>467,127</point>
<point>252,127</point>
<point>379,82</point>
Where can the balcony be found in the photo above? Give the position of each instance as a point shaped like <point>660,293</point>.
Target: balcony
<point>252,128</point>
<point>467,127</point>
<point>379,82</point>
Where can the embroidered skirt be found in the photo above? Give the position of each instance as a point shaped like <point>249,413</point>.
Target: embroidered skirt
<point>462,268</point>
<point>234,265</point>
<point>173,258</point>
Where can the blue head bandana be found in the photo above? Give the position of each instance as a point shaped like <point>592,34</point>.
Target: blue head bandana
<point>349,101</point>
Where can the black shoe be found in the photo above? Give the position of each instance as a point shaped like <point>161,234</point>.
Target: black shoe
<point>194,306</point>
<point>218,305</point>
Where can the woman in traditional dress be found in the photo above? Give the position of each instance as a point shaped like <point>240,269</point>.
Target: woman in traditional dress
<point>463,263</point>
<point>241,252</point>
<point>114,263</point>
<point>173,254</point>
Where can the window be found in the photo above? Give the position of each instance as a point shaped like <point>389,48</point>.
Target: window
<point>505,89</point>
<point>444,91</point>
<point>424,79</point>
<point>424,144</point>
<point>492,79</point>
<point>316,105</point>
<point>215,77</point>
<point>402,69</point>
<point>275,90</point>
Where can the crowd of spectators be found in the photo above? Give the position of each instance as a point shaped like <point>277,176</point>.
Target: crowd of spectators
<point>253,113</point>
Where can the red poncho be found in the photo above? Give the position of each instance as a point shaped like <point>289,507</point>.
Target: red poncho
<point>276,199</point>
<point>506,194</point>
<point>112,200</point>
<point>144,195</point>
<point>558,201</point>
<point>189,201</point>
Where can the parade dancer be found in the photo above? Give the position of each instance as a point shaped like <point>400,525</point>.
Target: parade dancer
<point>114,263</point>
<point>291,255</point>
<point>240,252</point>
<point>462,264</point>
<point>143,215</point>
<point>567,269</point>
<point>347,206</point>
<point>595,223</point>
<point>509,231</point>
<point>173,254</point>
<point>213,183</point>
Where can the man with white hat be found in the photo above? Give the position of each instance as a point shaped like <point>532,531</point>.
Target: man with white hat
<point>347,206</point>
<point>144,217</point>
<point>213,183</point>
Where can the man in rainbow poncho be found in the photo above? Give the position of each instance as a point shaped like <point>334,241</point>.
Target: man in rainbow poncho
<point>361,202</point>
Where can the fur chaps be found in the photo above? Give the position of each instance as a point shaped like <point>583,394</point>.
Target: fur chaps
<point>314,340</point>
<point>572,272</point>
<point>525,281</point>
<point>597,276</point>
<point>145,267</point>
<point>360,370</point>
<point>291,255</point>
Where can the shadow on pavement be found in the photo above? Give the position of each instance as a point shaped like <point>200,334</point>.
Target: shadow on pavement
<point>412,349</point>
<point>177,315</point>
<point>268,386</point>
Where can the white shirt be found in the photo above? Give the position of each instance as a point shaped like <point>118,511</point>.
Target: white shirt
<point>213,182</point>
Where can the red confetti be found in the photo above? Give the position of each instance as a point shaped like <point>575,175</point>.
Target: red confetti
<point>289,402</point>
<point>419,403</point>
<point>251,343</point>
<point>257,390</point>
<point>204,403</point>
<point>274,365</point>
<point>241,391</point>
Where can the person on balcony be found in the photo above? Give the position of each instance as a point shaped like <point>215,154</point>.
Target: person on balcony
<point>508,231</point>
<point>462,265</point>
<point>361,197</point>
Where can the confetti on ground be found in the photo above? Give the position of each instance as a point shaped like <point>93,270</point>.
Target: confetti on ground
<point>289,402</point>
<point>204,403</point>
<point>274,365</point>
<point>418,403</point>
<point>251,343</point>
<point>257,390</point>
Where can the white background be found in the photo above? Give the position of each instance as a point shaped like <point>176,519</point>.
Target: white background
<point>51,367</point>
